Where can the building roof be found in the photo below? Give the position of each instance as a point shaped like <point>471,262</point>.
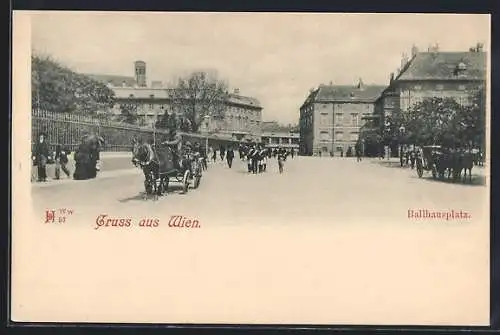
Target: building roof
<point>443,66</point>
<point>113,80</point>
<point>242,100</point>
<point>345,93</point>
<point>279,134</point>
<point>141,92</point>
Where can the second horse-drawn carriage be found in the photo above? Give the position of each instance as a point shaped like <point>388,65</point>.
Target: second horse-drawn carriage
<point>426,160</point>
<point>160,166</point>
<point>439,160</point>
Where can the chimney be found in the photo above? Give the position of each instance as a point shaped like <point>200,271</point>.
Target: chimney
<point>391,78</point>
<point>404,60</point>
<point>479,47</point>
<point>360,85</point>
<point>236,91</point>
<point>140,73</point>
<point>414,51</point>
<point>331,83</point>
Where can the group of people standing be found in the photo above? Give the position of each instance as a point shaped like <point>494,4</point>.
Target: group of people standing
<point>42,157</point>
<point>86,157</point>
<point>255,155</point>
<point>224,153</point>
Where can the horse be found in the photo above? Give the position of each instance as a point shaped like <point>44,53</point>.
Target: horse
<point>156,163</point>
<point>465,162</point>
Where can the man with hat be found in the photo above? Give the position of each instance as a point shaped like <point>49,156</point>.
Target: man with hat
<point>41,156</point>
<point>175,143</point>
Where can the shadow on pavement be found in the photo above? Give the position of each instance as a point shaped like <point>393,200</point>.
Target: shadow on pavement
<point>387,163</point>
<point>477,180</point>
<point>177,189</point>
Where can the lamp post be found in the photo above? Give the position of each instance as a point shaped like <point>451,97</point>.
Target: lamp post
<point>402,130</point>
<point>387,139</point>
<point>207,123</point>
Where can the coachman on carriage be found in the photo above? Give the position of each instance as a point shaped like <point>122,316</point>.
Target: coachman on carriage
<point>167,160</point>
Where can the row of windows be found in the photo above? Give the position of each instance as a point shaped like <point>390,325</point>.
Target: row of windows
<point>440,87</point>
<point>339,136</point>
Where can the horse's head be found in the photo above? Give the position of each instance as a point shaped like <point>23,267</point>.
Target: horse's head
<point>142,153</point>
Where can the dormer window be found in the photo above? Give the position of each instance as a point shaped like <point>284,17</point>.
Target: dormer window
<point>152,96</point>
<point>460,69</point>
<point>352,95</point>
<point>130,95</point>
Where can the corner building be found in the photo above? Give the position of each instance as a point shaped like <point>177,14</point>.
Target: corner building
<point>331,116</point>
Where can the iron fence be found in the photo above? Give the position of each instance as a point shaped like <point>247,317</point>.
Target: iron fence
<point>67,130</point>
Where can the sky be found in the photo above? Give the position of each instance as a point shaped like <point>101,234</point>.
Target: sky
<point>274,57</point>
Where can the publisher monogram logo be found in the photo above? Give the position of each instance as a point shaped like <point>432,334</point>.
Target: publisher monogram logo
<point>425,214</point>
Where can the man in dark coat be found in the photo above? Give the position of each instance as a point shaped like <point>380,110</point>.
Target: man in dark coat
<point>61,159</point>
<point>41,156</point>
<point>230,156</point>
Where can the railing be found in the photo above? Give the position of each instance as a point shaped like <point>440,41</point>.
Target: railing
<point>67,130</point>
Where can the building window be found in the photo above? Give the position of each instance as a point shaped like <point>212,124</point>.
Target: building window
<point>417,87</point>
<point>324,135</point>
<point>339,136</point>
<point>324,119</point>
<point>439,87</point>
<point>151,106</point>
<point>354,119</point>
<point>354,136</point>
<point>461,87</point>
<point>339,117</point>
<point>339,148</point>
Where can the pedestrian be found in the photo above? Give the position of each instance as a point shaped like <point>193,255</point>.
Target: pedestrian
<point>41,156</point>
<point>222,152</point>
<point>281,159</point>
<point>214,155</point>
<point>61,159</point>
<point>230,156</point>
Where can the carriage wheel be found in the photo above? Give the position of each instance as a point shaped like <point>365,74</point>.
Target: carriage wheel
<point>185,181</point>
<point>420,171</point>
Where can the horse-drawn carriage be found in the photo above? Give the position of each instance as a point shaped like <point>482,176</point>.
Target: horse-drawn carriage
<point>426,160</point>
<point>439,160</point>
<point>160,166</point>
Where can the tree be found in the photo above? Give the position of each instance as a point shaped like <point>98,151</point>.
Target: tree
<point>444,121</point>
<point>470,121</point>
<point>197,95</point>
<point>58,89</point>
<point>128,113</point>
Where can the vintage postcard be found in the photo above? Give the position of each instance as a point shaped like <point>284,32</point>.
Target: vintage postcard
<point>250,168</point>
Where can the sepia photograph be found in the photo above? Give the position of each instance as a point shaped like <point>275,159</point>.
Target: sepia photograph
<point>251,168</point>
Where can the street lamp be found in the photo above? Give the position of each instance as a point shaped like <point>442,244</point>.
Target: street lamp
<point>206,118</point>
<point>401,134</point>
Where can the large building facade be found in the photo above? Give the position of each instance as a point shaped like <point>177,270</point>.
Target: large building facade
<point>242,116</point>
<point>331,117</point>
<point>434,73</point>
<point>288,140</point>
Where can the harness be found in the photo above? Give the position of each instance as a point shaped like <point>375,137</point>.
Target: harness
<point>151,157</point>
